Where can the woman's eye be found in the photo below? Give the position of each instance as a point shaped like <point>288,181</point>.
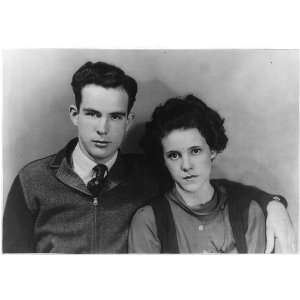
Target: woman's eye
<point>196,151</point>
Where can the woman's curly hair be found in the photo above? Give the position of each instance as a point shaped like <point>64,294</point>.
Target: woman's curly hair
<point>181,113</point>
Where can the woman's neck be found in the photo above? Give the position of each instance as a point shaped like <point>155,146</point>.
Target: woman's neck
<point>200,196</point>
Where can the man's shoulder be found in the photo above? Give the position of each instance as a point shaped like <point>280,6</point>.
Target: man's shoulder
<point>37,166</point>
<point>138,168</point>
<point>135,160</point>
<point>133,156</point>
<point>45,163</point>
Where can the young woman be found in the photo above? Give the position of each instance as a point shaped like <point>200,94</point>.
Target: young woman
<point>196,214</point>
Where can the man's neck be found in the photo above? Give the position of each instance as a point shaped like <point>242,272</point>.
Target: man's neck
<point>83,165</point>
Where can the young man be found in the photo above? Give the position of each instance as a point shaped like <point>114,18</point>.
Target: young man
<point>82,199</point>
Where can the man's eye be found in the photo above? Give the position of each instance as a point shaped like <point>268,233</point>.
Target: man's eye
<point>173,156</point>
<point>116,117</point>
<point>90,113</point>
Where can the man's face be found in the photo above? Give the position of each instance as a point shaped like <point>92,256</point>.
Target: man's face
<point>102,121</point>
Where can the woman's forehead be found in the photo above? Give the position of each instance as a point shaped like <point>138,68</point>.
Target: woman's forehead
<point>182,138</point>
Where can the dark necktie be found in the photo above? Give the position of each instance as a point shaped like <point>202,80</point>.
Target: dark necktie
<point>95,184</point>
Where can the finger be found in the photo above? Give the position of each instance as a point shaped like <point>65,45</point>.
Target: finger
<point>270,241</point>
<point>277,246</point>
<point>293,242</point>
<point>295,247</point>
<point>288,245</point>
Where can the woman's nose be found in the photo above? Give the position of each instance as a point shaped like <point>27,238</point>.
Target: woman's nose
<point>186,163</point>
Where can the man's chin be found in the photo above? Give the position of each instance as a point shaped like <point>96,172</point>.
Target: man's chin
<point>102,155</point>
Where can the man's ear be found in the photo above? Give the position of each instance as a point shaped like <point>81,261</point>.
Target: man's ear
<point>73,110</point>
<point>130,119</point>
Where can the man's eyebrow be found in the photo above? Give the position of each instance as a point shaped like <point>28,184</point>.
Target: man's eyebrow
<point>120,113</point>
<point>90,109</point>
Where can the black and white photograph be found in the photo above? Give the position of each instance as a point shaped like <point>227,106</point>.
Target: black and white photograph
<point>150,151</point>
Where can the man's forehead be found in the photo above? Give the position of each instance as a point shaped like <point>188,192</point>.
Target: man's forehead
<point>103,108</point>
<point>104,100</point>
<point>98,90</point>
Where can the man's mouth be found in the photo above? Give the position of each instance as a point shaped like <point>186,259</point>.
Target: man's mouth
<point>101,143</point>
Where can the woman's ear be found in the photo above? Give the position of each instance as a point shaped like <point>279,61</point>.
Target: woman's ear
<point>213,155</point>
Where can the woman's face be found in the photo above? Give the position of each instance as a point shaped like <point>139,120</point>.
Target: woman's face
<point>188,158</point>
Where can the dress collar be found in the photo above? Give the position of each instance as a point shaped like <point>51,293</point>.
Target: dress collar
<point>205,211</point>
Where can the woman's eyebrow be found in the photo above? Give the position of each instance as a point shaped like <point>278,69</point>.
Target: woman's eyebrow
<point>171,151</point>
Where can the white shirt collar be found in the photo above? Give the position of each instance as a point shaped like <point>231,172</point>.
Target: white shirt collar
<point>83,165</point>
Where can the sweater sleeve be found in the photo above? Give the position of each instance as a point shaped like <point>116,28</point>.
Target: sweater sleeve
<point>261,197</point>
<point>143,233</point>
<point>18,222</point>
<point>256,233</point>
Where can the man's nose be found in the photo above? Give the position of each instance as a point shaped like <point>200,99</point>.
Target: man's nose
<point>186,163</point>
<point>102,126</point>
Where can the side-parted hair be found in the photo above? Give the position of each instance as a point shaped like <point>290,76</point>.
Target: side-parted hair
<point>105,75</point>
<point>181,113</point>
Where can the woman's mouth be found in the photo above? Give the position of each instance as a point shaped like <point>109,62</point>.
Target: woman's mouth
<point>189,177</point>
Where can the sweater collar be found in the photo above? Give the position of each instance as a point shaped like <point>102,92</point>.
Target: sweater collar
<point>65,153</point>
<point>62,165</point>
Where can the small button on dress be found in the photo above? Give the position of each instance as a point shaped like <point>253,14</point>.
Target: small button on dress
<point>200,227</point>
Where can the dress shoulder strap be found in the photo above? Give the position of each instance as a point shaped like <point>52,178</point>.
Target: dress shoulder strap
<point>165,225</point>
<point>238,199</point>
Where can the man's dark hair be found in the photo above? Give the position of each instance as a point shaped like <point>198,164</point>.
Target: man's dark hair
<point>177,113</point>
<point>105,75</point>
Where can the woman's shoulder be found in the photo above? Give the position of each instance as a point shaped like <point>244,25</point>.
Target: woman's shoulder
<point>144,215</point>
<point>145,210</point>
